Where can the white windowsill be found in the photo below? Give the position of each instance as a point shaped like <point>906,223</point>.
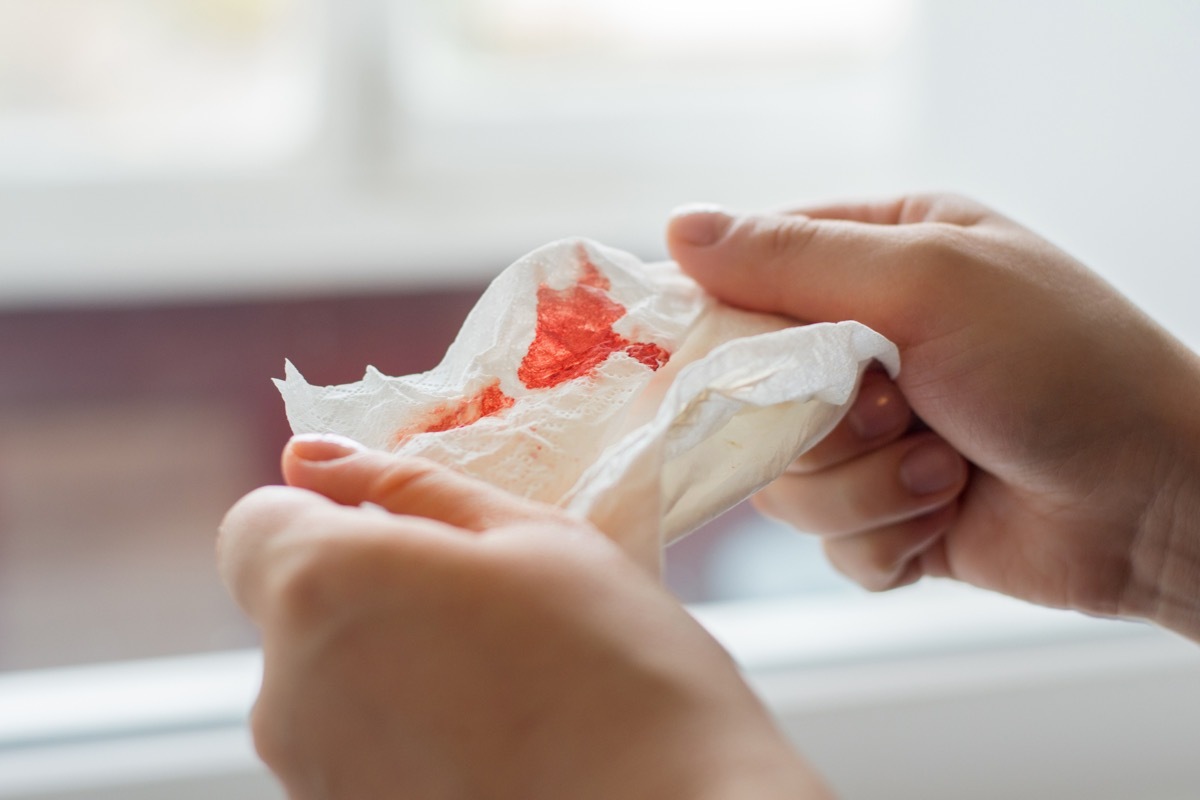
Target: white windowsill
<point>152,723</point>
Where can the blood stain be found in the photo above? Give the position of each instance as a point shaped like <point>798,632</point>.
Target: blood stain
<point>484,403</point>
<point>574,333</point>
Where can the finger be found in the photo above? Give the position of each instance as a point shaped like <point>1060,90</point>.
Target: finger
<point>898,279</point>
<point>904,210</point>
<point>810,269</point>
<point>282,549</point>
<point>899,481</point>
<point>352,475</point>
<point>889,556</point>
<point>880,414</point>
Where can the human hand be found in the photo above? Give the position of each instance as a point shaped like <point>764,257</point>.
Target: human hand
<point>472,644</point>
<point>1055,452</point>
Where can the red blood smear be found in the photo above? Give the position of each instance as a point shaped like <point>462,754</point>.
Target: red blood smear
<point>472,409</point>
<point>575,335</point>
<point>490,400</point>
<point>649,354</point>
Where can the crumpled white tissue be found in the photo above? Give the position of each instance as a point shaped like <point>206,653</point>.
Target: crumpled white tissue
<point>618,390</point>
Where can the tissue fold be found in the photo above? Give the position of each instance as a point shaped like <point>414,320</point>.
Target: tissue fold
<point>617,390</point>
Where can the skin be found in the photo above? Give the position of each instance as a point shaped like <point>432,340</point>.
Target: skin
<point>447,640</point>
<point>1041,439</point>
<point>453,641</point>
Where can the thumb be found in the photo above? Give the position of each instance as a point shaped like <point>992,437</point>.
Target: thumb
<point>349,474</point>
<point>812,269</point>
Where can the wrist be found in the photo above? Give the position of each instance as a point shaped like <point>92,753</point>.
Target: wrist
<point>752,759</point>
<point>739,763</point>
<point>1164,585</point>
<point>722,746</point>
<point>1164,567</point>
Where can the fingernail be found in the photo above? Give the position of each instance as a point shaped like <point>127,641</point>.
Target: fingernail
<point>323,446</point>
<point>931,467</point>
<point>878,410</point>
<point>700,224</point>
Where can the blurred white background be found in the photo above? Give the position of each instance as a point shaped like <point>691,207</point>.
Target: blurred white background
<point>161,147</point>
<point>185,168</point>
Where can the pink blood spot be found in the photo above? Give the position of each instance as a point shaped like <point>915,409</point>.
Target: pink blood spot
<point>488,401</point>
<point>574,332</point>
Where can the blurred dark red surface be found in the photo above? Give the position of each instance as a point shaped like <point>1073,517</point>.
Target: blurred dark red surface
<point>127,431</point>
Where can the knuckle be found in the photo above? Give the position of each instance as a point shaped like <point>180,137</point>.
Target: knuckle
<point>774,235</point>
<point>269,736</point>
<point>947,206</point>
<point>869,567</point>
<point>790,235</point>
<point>317,578</point>
<point>303,586</point>
<point>937,247</point>
<point>919,207</point>
<point>405,481</point>
<point>880,570</point>
<point>937,259</point>
<point>420,487</point>
<point>265,508</point>
<point>251,530</point>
